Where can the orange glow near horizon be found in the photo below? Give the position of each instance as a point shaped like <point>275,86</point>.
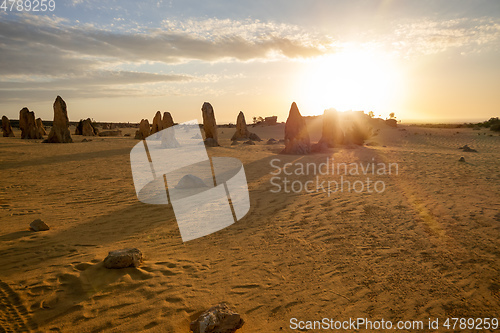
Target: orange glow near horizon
<point>352,79</point>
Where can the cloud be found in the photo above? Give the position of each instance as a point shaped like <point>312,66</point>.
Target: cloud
<point>95,84</point>
<point>427,36</point>
<point>176,42</point>
<point>97,79</point>
<point>40,53</point>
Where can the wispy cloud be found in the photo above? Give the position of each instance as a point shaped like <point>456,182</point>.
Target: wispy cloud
<point>426,36</point>
<point>209,40</point>
<point>48,52</point>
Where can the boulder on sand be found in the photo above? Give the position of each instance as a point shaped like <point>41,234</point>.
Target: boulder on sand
<point>144,130</point>
<point>6,128</point>
<point>123,258</point>
<point>209,125</point>
<point>38,225</point>
<point>296,134</point>
<point>217,319</point>
<point>60,127</point>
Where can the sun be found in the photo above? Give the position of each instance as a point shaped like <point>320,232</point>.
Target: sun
<point>356,78</point>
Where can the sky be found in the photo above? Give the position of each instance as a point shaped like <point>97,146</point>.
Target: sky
<point>122,61</point>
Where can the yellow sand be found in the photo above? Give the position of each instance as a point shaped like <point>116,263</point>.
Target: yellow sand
<point>428,246</point>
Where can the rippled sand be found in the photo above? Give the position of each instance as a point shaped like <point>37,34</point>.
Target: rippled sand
<point>427,246</point>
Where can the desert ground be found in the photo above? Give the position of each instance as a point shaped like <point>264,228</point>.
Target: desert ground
<point>428,246</point>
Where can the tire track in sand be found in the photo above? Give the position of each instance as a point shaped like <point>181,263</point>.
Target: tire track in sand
<point>13,315</point>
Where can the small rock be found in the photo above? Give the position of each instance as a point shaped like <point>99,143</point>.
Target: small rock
<point>468,149</point>
<point>211,142</point>
<point>111,133</point>
<point>254,137</point>
<point>217,319</point>
<point>271,141</point>
<point>319,147</point>
<point>123,258</point>
<point>462,159</point>
<point>38,225</point>
<point>190,181</point>
<point>249,142</point>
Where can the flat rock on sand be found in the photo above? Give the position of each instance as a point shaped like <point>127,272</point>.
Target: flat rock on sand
<point>468,149</point>
<point>123,258</point>
<point>217,319</point>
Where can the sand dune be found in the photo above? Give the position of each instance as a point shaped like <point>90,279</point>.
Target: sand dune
<point>427,246</point>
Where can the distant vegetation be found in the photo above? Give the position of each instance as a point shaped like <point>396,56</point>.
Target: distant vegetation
<point>493,124</point>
